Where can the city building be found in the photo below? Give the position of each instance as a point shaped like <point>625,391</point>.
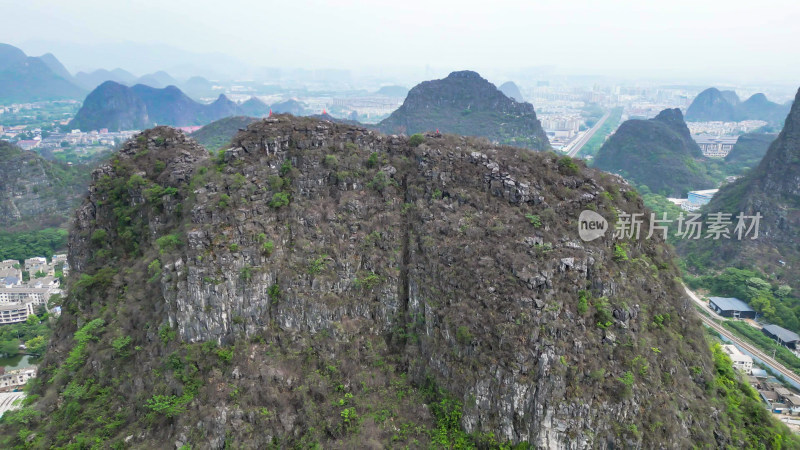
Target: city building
<point>696,199</point>
<point>15,312</point>
<point>9,274</point>
<point>38,264</point>
<point>16,379</point>
<point>38,294</point>
<point>740,360</point>
<point>781,335</point>
<point>21,298</point>
<point>724,128</point>
<point>10,281</point>
<point>62,261</point>
<point>715,146</point>
<point>731,307</point>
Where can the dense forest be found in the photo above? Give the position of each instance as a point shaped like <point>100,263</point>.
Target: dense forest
<point>27,244</point>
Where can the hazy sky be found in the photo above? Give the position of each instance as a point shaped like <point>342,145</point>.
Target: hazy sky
<point>744,39</point>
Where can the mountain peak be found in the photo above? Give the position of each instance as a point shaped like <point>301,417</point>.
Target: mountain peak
<point>510,89</point>
<point>467,74</point>
<point>636,144</point>
<point>118,107</point>
<point>715,105</point>
<point>759,98</point>
<point>466,103</point>
<point>671,116</point>
<point>10,55</point>
<point>30,79</point>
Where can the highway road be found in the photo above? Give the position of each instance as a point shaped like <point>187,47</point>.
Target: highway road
<point>788,374</point>
<point>588,135</point>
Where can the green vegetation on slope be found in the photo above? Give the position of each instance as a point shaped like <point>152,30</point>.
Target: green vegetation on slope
<point>748,152</point>
<point>773,301</point>
<point>751,422</point>
<point>34,333</point>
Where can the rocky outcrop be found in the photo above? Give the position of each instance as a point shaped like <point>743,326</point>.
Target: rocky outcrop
<point>323,283</point>
<point>466,104</point>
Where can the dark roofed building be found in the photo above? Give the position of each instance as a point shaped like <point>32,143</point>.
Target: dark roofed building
<point>731,307</point>
<point>781,335</point>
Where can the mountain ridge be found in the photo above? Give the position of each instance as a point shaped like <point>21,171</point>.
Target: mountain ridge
<point>715,105</point>
<point>29,79</point>
<point>119,107</point>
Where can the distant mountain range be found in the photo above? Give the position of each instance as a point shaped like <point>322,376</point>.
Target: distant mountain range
<point>465,103</point>
<point>772,189</point>
<point>29,79</point>
<point>658,153</point>
<point>91,80</point>
<point>119,107</point>
<point>715,105</point>
<point>44,78</point>
<point>195,87</point>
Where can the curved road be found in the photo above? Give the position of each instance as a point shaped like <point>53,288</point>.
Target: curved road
<point>588,135</point>
<point>788,374</point>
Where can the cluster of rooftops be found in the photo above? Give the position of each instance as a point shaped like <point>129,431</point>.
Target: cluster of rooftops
<point>735,308</point>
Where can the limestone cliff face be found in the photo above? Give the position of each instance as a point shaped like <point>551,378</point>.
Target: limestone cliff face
<point>35,191</point>
<point>319,282</point>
